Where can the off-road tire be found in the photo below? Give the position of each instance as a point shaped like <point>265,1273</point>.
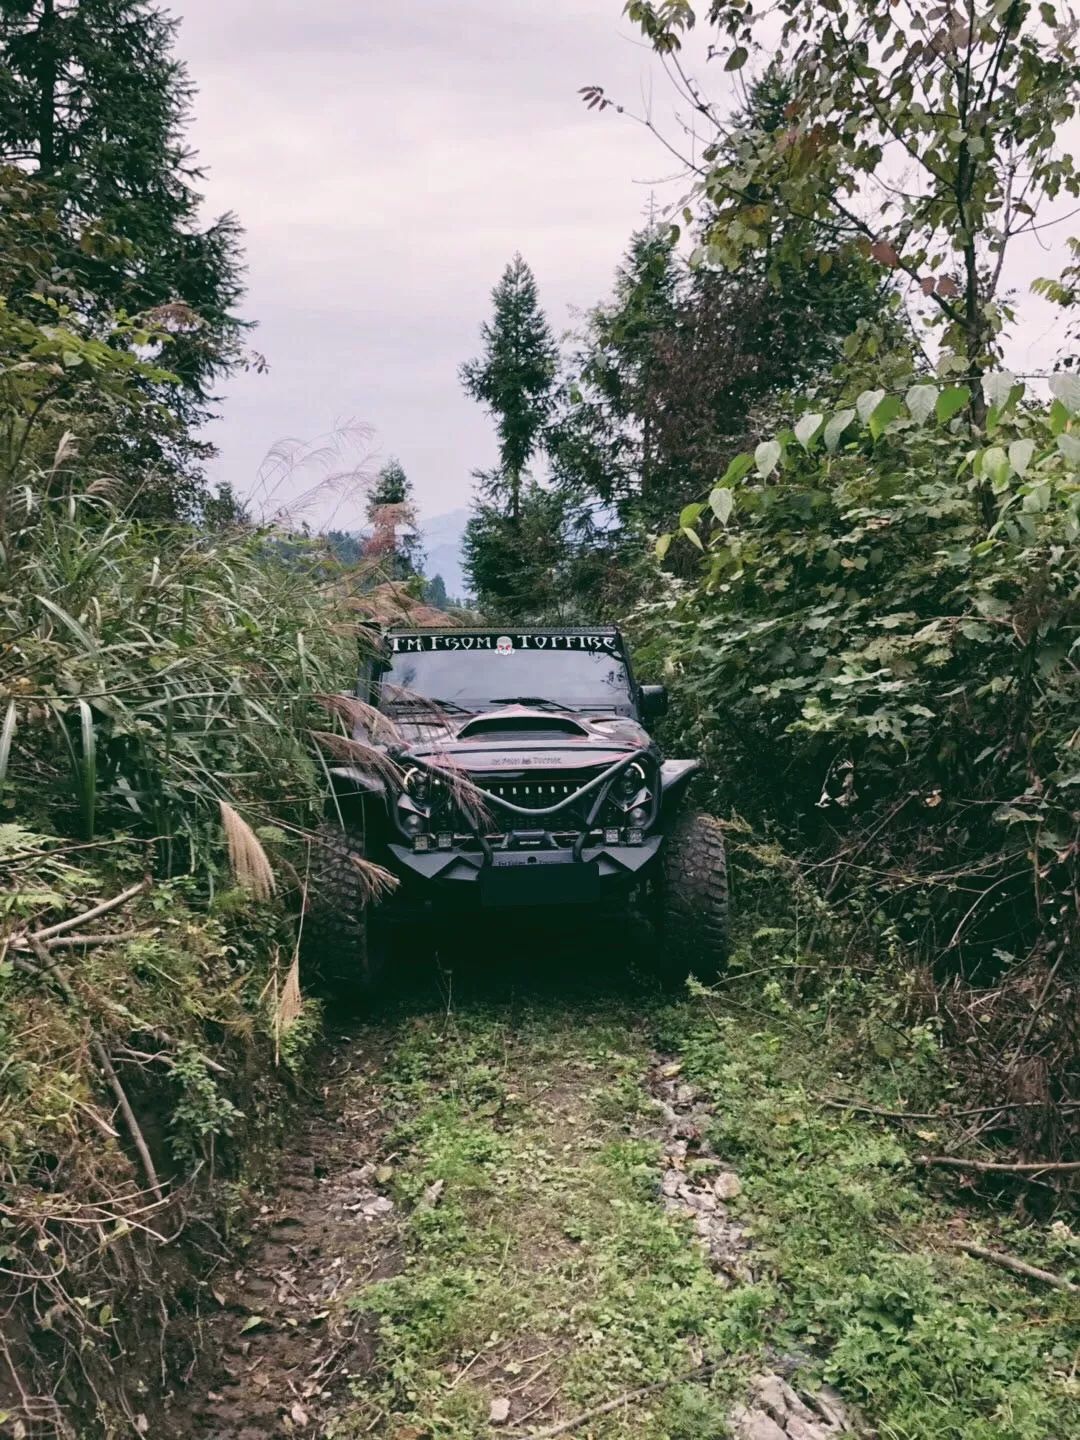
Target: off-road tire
<point>344,945</point>
<point>694,929</point>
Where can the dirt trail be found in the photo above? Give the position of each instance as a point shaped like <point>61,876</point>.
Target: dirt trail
<point>282,1346</point>
<point>517,1210</point>
<point>551,1169</point>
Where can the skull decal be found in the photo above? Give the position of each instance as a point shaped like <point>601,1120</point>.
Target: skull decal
<point>504,645</point>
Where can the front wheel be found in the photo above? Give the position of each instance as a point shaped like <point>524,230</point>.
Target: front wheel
<point>343,941</point>
<point>694,931</point>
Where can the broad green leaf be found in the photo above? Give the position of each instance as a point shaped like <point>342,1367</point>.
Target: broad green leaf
<point>1020,453</point>
<point>692,536</point>
<point>886,411</point>
<point>834,430</point>
<point>1037,500</point>
<point>722,502</point>
<point>738,469</point>
<point>867,403</point>
<point>1069,445</point>
<point>663,545</point>
<point>920,401</point>
<point>997,387</point>
<point>951,401</point>
<point>691,515</point>
<point>767,457</point>
<point>81,634</point>
<point>807,428</point>
<point>738,58</point>
<point>996,466</point>
<point>1066,388</point>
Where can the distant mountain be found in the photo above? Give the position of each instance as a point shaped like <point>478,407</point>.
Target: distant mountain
<point>443,536</point>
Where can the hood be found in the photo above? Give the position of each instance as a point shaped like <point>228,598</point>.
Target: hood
<point>519,737</point>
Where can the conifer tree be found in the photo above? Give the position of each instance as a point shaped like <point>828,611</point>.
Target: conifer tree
<point>391,513</point>
<point>513,378</point>
<point>95,104</point>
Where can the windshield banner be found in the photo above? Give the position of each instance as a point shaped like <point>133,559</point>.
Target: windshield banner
<point>508,644</point>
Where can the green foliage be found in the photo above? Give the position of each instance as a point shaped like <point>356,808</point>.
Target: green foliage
<point>93,100</point>
<point>925,1343</point>
<point>394,540</point>
<point>865,641</point>
<point>951,104</point>
<point>158,672</point>
<point>201,1113</point>
<point>513,379</point>
<point>518,564</point>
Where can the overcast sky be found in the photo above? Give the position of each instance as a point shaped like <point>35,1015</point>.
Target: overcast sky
<point>386,160</point>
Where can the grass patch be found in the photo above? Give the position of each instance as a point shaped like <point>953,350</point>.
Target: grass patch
<point>547,1273</point>
<point>927,1342</point>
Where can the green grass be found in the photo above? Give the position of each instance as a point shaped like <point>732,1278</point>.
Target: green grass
<point>929,1343</point>
<point>549,1272</point>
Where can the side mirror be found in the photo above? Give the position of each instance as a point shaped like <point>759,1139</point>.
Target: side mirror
<point>654,701</point>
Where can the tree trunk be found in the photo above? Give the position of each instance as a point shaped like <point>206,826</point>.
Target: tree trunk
<point>47,80</point>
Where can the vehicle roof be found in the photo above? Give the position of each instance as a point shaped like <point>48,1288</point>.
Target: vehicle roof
<point>503,630</point>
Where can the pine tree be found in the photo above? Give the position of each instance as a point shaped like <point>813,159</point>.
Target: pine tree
<point>94,102</point>
<point>605,442</point>
<point>514,378</point>
<point>391,513</point>
<point>516,525</point>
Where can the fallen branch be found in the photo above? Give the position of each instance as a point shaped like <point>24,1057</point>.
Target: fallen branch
<point>101,1055</point>
<point>1025,1167</point>
<point>1018,1267</point>
<point>47,964</point>
<point>863,1109</point>
<point>620,1402</point>
<point>71,942</point>
<point>88,915</point>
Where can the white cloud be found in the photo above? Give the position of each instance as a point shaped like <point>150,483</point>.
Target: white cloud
<point>386,161</point>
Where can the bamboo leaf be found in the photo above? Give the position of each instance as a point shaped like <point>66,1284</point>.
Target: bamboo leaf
<point>7,735</point>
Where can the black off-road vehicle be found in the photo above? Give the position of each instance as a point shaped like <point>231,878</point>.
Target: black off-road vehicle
<point>512,768</point>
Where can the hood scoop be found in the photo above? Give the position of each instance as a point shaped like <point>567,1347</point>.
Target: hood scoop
<point>521,721</point>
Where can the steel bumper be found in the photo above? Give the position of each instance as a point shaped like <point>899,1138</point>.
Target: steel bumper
<point>525,877</point>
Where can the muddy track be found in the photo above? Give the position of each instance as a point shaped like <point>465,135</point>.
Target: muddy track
<point>545,1199</point>
<point>282,1348</point>
<point>294,1346</point>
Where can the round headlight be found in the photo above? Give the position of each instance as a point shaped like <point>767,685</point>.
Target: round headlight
<point>639,815</point>
<point>631,781</point>
<point>418,783</point>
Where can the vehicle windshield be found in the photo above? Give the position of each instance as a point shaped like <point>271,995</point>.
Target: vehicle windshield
<point>506,668</point>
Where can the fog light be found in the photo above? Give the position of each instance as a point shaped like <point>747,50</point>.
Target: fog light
<point>611,837</point>
<point>635,837</point>
<point>422,843</point>
<point>446,842</point>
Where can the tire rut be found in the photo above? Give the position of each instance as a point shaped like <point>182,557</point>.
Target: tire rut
<point>284,1345</point>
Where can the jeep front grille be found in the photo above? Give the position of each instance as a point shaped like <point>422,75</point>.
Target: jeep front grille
<point>533,794</point>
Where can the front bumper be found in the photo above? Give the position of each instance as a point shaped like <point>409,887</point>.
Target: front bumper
<point>460,878</point>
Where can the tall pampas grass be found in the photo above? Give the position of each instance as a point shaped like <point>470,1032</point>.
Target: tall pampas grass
<point>250,865</point>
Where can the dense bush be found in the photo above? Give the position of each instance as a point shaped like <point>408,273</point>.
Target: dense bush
<point>881,657</point>
<point>148,675</point>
